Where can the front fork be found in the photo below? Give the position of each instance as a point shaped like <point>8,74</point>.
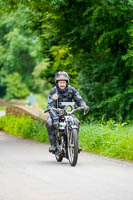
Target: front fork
<point>70,127</point>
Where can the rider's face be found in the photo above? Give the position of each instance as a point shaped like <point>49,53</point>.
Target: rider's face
<point>62,85</point>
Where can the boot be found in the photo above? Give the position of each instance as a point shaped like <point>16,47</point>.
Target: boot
<point>52,148</point>
<point>79,149</point>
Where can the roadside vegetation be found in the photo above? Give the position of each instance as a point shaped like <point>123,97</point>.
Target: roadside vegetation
<point>2,108</point>
<point>42,100</point>
<point>81,38</point>
<point>108,139</point>
<point>24,127</point>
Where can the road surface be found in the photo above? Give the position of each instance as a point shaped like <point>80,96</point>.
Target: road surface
<point>2,113</point>
<point>29,172</point>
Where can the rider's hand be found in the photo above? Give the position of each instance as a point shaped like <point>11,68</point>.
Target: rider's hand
<point>86,109</point>
<point>55,122</point>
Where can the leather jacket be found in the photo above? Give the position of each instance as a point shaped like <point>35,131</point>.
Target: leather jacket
<point>69,94</point>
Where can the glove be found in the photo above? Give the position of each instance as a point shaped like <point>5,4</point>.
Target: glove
<point>55,122</point>
<point>86,109</point>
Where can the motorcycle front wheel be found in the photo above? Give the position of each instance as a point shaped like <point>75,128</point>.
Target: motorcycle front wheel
<point>72,146</point>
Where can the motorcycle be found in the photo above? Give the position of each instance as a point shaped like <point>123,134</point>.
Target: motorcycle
<point>66,134</point>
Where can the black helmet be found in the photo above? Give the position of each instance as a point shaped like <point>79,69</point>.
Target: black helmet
<point>61,76</point>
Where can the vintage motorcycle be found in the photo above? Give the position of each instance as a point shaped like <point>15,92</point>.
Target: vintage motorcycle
<point>66,134</point>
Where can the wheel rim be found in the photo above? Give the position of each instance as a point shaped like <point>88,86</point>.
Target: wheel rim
<point>71,147</point>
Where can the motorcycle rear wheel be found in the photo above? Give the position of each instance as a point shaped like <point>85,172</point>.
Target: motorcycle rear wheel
<point>72,147</point>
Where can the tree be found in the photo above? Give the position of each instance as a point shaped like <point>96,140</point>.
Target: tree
<point>94,38</point>
<point>20,49</point>
<point>15,87</point>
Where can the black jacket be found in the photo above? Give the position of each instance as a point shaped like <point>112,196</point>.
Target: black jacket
<point>69,94</point>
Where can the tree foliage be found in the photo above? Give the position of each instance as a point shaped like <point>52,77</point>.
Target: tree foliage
<point>20,49</point>
<point>92,41</point>
<point>16,89</point>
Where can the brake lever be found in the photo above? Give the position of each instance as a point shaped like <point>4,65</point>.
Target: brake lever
<point>46,111</point>
<point>85,112</point>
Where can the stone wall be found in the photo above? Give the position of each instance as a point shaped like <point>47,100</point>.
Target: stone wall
<point>17,107</point>
<point>3,102</point>
<point>34,112</point>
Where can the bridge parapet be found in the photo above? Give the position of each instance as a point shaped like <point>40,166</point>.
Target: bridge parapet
<point>34,112</point>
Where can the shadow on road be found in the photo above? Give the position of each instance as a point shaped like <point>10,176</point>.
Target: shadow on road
<point>49,162</point>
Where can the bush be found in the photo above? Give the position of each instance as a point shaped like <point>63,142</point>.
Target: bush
<point>110,139</point>
<point>24,126</point>
<point>2,108</point>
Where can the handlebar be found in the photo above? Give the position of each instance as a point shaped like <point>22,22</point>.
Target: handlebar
<point>52,108</point>
<point>59,110</point>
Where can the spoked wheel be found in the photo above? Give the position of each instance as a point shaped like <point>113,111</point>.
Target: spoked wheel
<point>72,147</point>
<point>58,153</point>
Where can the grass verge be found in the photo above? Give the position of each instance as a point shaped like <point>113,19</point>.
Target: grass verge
<point>108,139</point>
<point>24,126</point>
<point>111,140</point>
<point>2,107</point>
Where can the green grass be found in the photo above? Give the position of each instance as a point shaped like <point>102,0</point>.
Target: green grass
<point>24,127</point>
<point>114,140</point>
<point>2,107</point>
<point>108,139</point>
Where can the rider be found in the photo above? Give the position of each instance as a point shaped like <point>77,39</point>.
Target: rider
<point>62,92</point>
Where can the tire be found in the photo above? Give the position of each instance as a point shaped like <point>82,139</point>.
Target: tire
<point>58,157</point>
<point>72,146</point>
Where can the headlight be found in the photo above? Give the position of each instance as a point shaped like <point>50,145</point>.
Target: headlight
<point>69,108</point>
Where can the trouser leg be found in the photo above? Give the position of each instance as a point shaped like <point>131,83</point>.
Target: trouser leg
<point>49,126</point>
<point>77,122</point>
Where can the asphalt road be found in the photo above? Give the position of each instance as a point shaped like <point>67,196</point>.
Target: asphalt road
<point>2,113</point>
<point>29,172</point>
